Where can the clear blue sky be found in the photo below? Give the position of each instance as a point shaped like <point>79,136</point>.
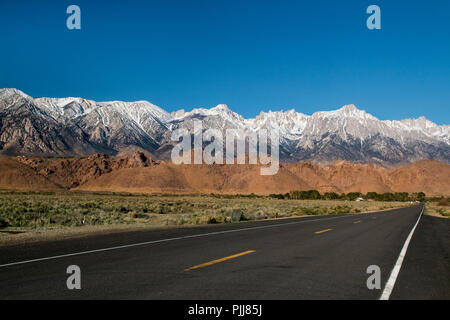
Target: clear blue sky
<point>250,54</point>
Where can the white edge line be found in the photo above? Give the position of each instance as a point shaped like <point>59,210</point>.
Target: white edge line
<point>166,240</point>
<point>395,271</point>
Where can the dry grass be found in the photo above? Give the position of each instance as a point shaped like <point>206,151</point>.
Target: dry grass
<point>438,209</point>
<point>27,211</point>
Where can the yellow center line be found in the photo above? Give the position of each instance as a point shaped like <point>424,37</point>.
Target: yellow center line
<point>357,221</point>
<point>319,232</point>
<point>219,260</point>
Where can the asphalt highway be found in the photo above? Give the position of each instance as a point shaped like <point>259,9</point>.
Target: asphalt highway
<point>313,257</point>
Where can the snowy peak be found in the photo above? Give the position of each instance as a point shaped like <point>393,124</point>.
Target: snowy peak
<point>351,110</point>
<point>72,108</point>
<point>221,108</point>
<point>347,111</point>
<point>8,92</point>
<point>69,107</point>
<point>136,110</point>
<point>11,98</point>
<point>420,123</point>
<point>78,126</point>
<point>221,111</point>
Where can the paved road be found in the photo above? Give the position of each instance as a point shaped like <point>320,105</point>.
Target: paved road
<point>301,258</point>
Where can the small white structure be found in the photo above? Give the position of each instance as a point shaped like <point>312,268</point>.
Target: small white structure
<point>359,199</point>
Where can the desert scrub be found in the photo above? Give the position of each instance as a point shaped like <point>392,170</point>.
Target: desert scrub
<point>441,208</point>
<point>68,209</point>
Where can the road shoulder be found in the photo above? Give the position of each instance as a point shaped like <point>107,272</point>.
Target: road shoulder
<point>425,273</point>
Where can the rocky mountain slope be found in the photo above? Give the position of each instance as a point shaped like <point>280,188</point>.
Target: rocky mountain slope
<point>79,127</point>
<point>139,173</point>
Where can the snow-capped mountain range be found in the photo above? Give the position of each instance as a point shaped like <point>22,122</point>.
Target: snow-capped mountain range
<point>79,127</point>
